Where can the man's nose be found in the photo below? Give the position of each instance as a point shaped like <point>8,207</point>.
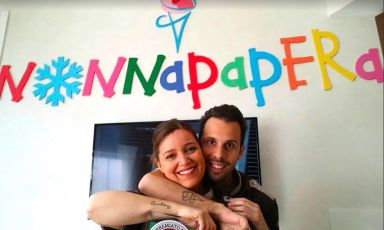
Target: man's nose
<point>218,151</point>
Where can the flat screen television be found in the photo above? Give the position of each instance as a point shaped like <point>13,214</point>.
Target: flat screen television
<point>121,154</point>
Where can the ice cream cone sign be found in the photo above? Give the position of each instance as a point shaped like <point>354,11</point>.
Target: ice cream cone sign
<point>178,12</point>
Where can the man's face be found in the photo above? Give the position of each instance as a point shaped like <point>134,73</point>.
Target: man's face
<point>221,147</point>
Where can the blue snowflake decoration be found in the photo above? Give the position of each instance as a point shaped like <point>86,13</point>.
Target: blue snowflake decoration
<point>55,81</point>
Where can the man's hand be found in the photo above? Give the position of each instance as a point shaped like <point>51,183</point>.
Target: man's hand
<point>249,210</point>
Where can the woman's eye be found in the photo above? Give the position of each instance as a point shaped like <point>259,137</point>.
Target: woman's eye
<point>170,156</point>
<point>190,149</point>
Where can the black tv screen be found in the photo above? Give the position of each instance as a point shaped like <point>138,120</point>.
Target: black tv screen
<point>121,154</point>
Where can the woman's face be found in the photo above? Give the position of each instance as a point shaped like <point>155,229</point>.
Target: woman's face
<point>181,159</point>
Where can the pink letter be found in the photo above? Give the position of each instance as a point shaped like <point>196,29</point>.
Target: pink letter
<point>94,69</point>
<point>377,72</point>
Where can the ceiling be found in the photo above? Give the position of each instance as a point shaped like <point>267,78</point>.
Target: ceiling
<point>333,7</point>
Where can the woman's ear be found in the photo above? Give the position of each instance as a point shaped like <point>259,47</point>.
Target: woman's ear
<point>158,165</point>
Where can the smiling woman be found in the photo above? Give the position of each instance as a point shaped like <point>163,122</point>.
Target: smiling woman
<point>177,153</point>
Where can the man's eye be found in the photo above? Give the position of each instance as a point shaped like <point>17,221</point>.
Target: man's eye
<point>230,145</point>
<point>210,141</point>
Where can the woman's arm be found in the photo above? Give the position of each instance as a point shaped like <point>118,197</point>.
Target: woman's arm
<point>118,208</point>
<point>155,184</point>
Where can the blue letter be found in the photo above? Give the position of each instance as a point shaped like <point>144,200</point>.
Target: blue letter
<point>257,83</point>
<point>178,85</point>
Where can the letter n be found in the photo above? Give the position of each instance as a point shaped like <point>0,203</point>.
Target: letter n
<point>16,91</point>
<point>148,86</point>
<point>94,69</point>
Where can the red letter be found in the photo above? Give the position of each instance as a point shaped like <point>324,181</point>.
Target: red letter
<point>289,61</point>
<point>17,91</point>
<point>195,86</point>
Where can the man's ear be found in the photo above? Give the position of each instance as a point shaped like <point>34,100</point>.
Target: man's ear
<point>241,152</point>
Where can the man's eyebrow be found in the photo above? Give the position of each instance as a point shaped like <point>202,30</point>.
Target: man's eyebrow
<point>231,140</point>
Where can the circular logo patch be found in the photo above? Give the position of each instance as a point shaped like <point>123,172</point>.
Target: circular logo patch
<point>169,225</point>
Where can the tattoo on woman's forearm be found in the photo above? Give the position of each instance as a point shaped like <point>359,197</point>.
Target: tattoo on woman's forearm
<point>161,204</point>
<point>190,197</point>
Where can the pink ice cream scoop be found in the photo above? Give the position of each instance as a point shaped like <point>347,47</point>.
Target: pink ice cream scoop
<point>174,6</point>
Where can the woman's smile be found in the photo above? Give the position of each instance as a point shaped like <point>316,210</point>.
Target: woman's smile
<point>187,172</point>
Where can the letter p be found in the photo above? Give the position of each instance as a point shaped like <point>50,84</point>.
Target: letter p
<point>257,82</point>
<point>195,86</point>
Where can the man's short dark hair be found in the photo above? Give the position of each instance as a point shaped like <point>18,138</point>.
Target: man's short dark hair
<point>227,113</point>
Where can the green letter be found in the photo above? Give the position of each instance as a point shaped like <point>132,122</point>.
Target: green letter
<point>147,85</point>
<point>238,65</point>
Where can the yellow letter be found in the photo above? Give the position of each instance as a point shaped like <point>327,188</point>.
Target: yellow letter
<point>327,58</point>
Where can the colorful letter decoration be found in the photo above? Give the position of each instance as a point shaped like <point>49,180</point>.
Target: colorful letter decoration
<point>195,85</point>
<point>148,86</point>
<point>16,91</point>
<point>289,61</point>
<point>257,82</point>
<point>327,58</point>
<point>178,85</point>
<point>61,75</point>
<point>237,65</point>
<point>94,69</point>
<point>374,57</point>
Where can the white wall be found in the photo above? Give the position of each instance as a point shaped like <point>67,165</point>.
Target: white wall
<point>321,151</point>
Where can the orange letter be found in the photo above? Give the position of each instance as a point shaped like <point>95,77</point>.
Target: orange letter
<point>289,61</point>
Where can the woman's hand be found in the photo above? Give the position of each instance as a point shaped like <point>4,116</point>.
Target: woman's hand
<point>228,219</point>
<point>249,210</point>
<point>196,218</point>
